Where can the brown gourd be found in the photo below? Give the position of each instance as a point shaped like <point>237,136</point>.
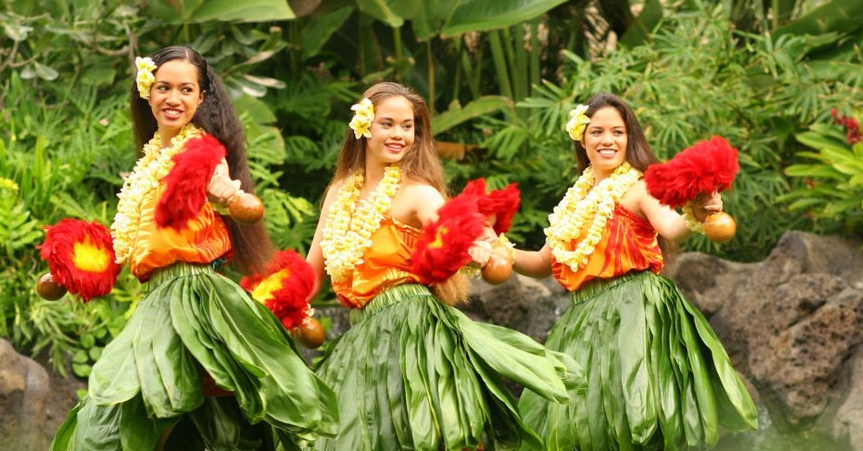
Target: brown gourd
<point>49,289</point>
<point>720,227</point>
<point>246,208</point>
<point>310,333</point>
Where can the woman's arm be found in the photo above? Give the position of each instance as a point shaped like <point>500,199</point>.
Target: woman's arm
<point>417,204</point>
<point>665,220</point>
<point>315,256</point>
<point>536,264</point>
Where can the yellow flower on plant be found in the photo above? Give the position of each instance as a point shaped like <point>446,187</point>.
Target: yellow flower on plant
<point>8,185</point>
<point>364,114</point>
<point>577,122</point>
<point>144,78</point>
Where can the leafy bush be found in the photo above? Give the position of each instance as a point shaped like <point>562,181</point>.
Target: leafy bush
<point>65,142</point>
<point>755,91</point>
<point>833,191</point>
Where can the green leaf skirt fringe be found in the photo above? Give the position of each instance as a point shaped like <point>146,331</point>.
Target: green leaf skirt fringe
<point>414,373</point>
<point>149,378</point>
<point>657,375</point>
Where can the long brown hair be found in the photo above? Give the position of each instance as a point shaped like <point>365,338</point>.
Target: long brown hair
<point>639,154</point>
<point>421,163</point>
<point>215,115</point>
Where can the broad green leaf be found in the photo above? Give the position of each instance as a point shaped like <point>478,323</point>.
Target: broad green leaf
<point>393,12</point>
<point>195,11</point>
<point>45,72</point>
<point>483,15</point>
<point>837,15</point>
<point>805,170</point>
<point>819,141</point>
<point>316,34</point>
<point>17,33</point>
<point>258,111</point>
<point>431,17</point>
<point>477,108</point>
<point>639,32</point>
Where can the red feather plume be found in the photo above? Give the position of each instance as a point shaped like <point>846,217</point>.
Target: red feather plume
<point>704,167</point>
<point>501,202</point>
<point>443,244</point>
<point>284,288</point>
<point>186,183</point>
<point>80,256</point>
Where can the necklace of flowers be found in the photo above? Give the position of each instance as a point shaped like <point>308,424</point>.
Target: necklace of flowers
<point>145,177</point>
<point>586,204</point>
<point>349,226</point>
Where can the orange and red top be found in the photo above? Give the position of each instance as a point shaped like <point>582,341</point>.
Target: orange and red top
<point>386,263</point>
<point>204,239</point>
<point>629,243</point>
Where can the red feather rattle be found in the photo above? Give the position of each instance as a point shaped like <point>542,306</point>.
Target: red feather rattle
<point>705,167</point>
<point>284,288</point>
<point>80,256</point>
<point>442,248</point>
<point>186,187</point>
<point>501,205</point>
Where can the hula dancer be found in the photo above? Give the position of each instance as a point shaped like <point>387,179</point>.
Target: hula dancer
<point>199,365</point>
<point>413,372</point>
<point>657,375</point>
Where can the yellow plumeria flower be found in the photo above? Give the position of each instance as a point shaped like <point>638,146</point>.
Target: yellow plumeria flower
<point>363,117</point>
<point>577,122</point>
<point>144,77</point>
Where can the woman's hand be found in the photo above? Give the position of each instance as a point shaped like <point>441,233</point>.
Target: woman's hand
<point>221,188</point>
<point>480,252</point>
<point>705,204</point>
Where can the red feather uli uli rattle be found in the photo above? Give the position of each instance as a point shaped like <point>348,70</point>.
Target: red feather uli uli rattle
<point>705,167</point>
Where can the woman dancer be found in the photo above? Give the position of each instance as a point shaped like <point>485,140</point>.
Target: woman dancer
<point>194,328</point>
<point>658,377</point>
<point>412,372</point>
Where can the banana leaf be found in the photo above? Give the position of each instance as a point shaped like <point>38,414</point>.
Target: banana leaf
<point>196,11</point>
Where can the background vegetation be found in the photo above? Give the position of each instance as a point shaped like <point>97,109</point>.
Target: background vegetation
<point>500,77</point>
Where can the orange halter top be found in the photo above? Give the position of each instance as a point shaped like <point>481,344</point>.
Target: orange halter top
<point>204,239</point>
<point>386,263</point>
<point>629,243</point>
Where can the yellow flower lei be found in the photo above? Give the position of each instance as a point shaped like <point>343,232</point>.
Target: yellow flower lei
<point>691,223</point>
<point>349,226</point>
<point>145,178</point>
<point>582,204</point>
<point>144,78</point>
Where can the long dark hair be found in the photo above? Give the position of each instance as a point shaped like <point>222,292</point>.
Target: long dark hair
<point>215,115</point>
<point>639,154</point>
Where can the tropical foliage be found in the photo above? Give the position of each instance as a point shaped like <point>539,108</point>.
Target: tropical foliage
<point>500,77</point>
<point>833,193</point>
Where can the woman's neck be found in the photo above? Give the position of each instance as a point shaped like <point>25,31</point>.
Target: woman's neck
<point>166,135</point>
<point>374,172</point>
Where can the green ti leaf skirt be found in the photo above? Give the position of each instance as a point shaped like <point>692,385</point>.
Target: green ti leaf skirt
<point>657,375</point>
<point>414,373</point>
<point>149,378</point>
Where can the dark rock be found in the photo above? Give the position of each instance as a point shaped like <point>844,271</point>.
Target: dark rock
<point>24,392</point>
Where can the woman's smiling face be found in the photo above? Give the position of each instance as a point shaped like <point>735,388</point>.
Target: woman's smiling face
<point>605,141</point>
<point>175,95</point>
<point>393,130</point>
